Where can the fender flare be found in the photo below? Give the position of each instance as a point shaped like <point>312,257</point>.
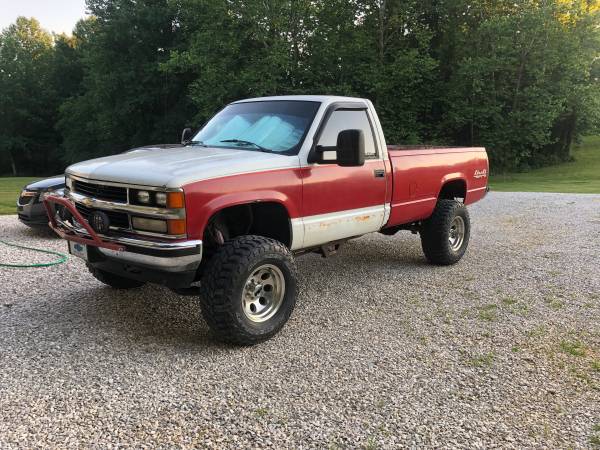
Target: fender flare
<point>222,202</point>
<point>455,176</point>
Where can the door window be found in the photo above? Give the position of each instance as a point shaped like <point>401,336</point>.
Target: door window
<point>348,120</point>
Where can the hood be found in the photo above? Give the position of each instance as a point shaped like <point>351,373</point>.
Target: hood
<point>175,166</point>
<point>49,183</point>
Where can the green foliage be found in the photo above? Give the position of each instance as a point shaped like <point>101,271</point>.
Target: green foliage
<point>243,49</point>
<point>521,78</point>
<point>517,78</point>
<point>125,101</point>
<point>580,175</point>
<point>28,101</point>
<point>520,81</point>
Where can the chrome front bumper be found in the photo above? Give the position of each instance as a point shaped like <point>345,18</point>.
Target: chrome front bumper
<point>177,256</point>
<point>171,257</point>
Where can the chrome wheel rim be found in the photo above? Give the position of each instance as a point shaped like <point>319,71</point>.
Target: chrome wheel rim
<point>456,236</point>
<point>263,293</point>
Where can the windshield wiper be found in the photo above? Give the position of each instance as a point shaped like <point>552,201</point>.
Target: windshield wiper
<point>199,143</point>
<point>242,142</point>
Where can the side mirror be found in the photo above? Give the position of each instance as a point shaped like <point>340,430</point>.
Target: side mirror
<point>351,148</point>
<point>349,151</point>
<point>186,136</point>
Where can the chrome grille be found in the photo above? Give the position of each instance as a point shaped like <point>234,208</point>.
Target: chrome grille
<point>101,191</point>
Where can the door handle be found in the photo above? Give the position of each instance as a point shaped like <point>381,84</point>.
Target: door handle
<point>379,173</point>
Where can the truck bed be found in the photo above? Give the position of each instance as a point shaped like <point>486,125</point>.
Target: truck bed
<point>420,172</point>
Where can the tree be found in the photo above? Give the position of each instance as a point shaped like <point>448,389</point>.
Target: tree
<point>374,49</point>
<point>521,78</point>
<point>236,49</point>
<point>126,100</point>
<point>28,101</point>
<point>516,79</point>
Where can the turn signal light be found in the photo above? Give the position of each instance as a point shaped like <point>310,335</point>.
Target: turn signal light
<point>176,226</point>
<point>175,200</point>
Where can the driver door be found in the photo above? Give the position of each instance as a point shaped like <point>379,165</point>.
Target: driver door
<point>343,202</point>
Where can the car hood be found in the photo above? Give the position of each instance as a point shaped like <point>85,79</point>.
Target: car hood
<point>48,183</point>
<point>175,166</point>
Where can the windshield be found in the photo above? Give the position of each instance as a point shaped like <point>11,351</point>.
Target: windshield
<point>273,126</point>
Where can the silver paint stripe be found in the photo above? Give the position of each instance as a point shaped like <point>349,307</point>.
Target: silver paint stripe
<point>241,173</point>
<point>310,231</point>
<point>297,233</point>
<point>387,213</point>
<point>309,220</point>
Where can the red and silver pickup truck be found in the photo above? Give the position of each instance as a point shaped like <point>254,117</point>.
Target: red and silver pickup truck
<point>224,214</point>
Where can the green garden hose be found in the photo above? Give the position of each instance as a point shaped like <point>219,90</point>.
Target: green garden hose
<point>62,258</point>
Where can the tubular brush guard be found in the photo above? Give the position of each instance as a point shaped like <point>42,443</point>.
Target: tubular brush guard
<point>92,239</point>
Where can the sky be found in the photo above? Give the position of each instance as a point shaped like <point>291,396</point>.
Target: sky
<point>59,16</point>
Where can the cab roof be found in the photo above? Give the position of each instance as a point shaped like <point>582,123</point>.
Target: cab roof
<point>306,98</point>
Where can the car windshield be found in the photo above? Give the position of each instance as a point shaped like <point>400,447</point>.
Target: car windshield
<point>272,126</point>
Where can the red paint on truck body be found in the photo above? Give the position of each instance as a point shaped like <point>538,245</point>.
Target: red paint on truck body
<point>330,188</point>
<point>206,197</point>
<point>418,176</point>
<point>411,185</point>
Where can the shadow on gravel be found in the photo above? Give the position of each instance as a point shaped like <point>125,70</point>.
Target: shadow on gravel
<point>366,253</point>
<point>135,319</point>
<point>81,312</point>
<point>32,232</point>
<point>150,312</point>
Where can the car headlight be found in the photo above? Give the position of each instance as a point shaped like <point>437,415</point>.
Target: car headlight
<point>161,198</point>
<point>143,197</point>
<point>173,200</point>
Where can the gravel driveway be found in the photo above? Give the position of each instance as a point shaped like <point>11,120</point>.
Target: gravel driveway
<point>382,350</point>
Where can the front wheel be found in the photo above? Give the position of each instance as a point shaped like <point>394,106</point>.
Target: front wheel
<point>445,235</point>
<point>249,289</point>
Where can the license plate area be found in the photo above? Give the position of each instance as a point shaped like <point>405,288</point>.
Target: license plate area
<point>79,250</point>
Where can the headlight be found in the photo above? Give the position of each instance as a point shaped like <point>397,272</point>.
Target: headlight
<point>26,193</point>
<point>155,225</point>
<point>143,197</point>
<point>161,198</point>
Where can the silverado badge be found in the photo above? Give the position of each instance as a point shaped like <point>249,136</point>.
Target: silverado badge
<point>480,173</point>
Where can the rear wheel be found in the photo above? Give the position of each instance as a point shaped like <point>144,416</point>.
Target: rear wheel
<point>114,281</point>
<point>445,235</point>
<point>249,289</point>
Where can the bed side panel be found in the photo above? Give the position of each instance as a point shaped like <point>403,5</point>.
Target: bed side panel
<point>420,174</point>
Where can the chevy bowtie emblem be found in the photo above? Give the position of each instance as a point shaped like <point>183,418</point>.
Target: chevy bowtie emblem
<point>99,221</point>
<point>87,201</point>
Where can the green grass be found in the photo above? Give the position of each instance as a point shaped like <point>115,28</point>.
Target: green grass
<point>484,360</point>
<point>573,348</point>
<point>9,192</point>
<point>579,176</point>
<point>488,312</point>
<point>595,437</point>
<point>261,412</point>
